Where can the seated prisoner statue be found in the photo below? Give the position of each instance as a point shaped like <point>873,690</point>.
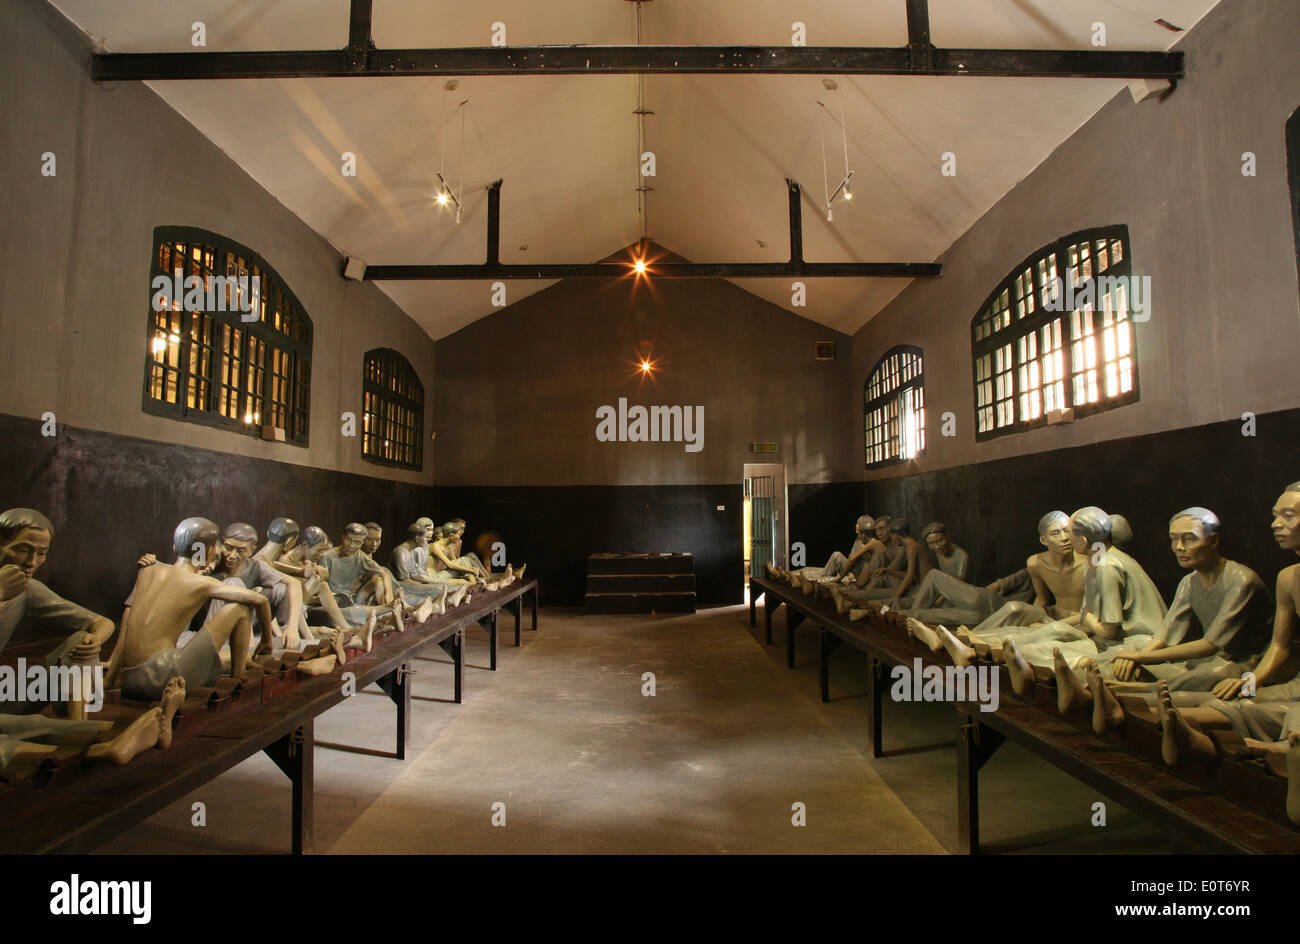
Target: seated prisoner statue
<point>1121,609</point>
<point>281,536</point>
<point>943,600</point>
<point>238,567</point>
<point>164,600</point>
<point>1215,630</point>
<point>25,539</point>
<point>839,565</point>
<point>452,563</point>
<point>904,566</point>
<point>304,562</point>
<point>369,547</point>
<point>948,560</point>
<point>351,573</point>
<point>1266,720</point>
<point>1057,574</point>
<point>1219,622</point>
<point>410,567</point>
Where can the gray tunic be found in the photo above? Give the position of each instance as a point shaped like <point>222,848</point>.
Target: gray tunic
<point>40,603</point>
<point>258,575</point>
<point>415,560</point>
<point>1235,613</point>
<point>347,574</point>
<point>1117,591</point>
<point>956,564</point>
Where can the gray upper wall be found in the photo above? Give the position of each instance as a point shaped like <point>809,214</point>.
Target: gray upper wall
<point>75,255</point>
<point>1219,248</point>
<point>518,391</point>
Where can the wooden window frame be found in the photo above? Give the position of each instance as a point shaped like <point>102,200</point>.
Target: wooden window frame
<point>200,365</point>
<point>893,384</point>
<point>1014,312</point>
<point>381,403</point>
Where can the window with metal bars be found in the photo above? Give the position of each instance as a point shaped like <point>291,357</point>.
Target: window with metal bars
<point>393,399</point>
<point>894,404</point>
<point>232,348</point>
<point>1041,343</point>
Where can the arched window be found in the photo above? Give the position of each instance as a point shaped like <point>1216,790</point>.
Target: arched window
<point>894,404</point>
<point>228,344</point>
<point>393,427</point>
<point>1056,336</point>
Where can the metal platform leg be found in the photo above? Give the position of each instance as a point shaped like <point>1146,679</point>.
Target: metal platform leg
<point>397,686</point>
<point>875,705</point>
<point>294,754</point>
<point>975,745</point>
<point>830,642</point>
<point>455,647</point>
<point>792,621</point>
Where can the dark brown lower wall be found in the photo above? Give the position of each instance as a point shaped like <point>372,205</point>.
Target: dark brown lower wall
<point>556,528</point>
<point>992,508</point>
<point>112,498</point>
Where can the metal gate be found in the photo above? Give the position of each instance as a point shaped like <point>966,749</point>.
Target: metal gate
<point>762,523</point>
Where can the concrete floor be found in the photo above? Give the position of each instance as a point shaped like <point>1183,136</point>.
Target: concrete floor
<point>562,735</point>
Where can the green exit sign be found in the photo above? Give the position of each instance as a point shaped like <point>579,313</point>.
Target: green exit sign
<point>765,447</point>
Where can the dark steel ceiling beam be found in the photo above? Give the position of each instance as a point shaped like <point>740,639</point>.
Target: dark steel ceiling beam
<point>633,60</point>
<point>796,268</point>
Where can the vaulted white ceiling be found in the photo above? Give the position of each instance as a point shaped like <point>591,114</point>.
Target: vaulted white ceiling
<point>567,147</point>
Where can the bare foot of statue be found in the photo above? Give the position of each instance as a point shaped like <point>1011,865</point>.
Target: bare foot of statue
<point>142,734</point>
<point>1021,672</point>
<point>960,653</point>
<point>337,642</point>
<point>1107,712</point>
<point>924,635</point>
<point>1069,690</point>
<point>856,614</point>
<point>367,633</point>
<point>458,597</point>
<point>172,699</point>
<point>322,665</point>
<point>1180,742</point>
<point>397,616</point>
<point>423,611</point>
<point>842,602</point>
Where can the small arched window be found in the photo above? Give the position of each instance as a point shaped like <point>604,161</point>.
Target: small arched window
<point>894,404</point>
<point>1057,335</point>
<point>228,343</point>
<point>393,398</point>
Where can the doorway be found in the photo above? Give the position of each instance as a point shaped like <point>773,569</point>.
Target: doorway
<point>765,522</point>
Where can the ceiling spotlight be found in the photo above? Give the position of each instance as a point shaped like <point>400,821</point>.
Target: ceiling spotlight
<point>639,265</point>
<point>645,367</point>
<point>848,194</point>
<point>442,198</point>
